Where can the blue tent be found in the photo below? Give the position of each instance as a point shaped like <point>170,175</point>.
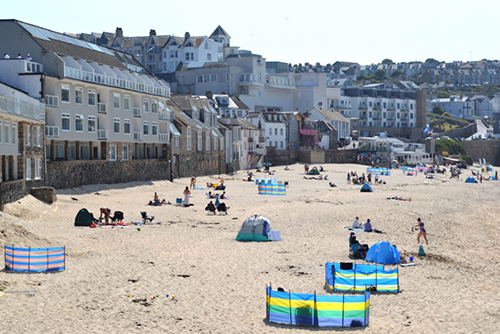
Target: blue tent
<point>383,253</point>
<point>366,188</point>
<point>470,179</point>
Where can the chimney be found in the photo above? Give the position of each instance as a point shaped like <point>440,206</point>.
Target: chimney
<point>186,35</point>
<point>152,32</point>
<point>119,32</point>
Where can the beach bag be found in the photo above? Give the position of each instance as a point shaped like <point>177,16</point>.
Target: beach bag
<point>421,252</point>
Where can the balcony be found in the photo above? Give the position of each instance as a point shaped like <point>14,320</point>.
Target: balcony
<point>101,108</point>
<point>165,116</point>
<point>262,139</point>
<point>337,105</point>
<point>52,101</point>
<point>280,82</point>
<point>250,79</point>
<point>362,107</point>
<point>51,131</point>
<point>101,134</point>
<point>162,137</point>
<point>33,67</point>
<point>112,80</point>
<point>137,112</point>
<point>362,116</point>
<point>137,136</point>
<point>19,107</point>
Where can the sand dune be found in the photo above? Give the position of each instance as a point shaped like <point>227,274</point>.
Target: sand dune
<point>219,284</point>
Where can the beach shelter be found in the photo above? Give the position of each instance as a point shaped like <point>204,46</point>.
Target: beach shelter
<point>313,171</point>
<point>470,179</point>
<point>383,253</point>
<point>83,218</point>
<point>257,228</point>
<point>366,188</point>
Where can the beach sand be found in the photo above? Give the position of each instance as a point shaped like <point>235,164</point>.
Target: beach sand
<point>219,284</point>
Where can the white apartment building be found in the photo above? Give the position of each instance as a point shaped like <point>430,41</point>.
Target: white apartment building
<point>456,106</point>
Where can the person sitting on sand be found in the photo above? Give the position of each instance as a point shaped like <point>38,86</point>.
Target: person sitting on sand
<point>186,193</point>
<point>356,223</point>
<point>286,168</point>
<point>210,185</point>
<point>423,233</point>
<point>368,226</point>
<point>223,195</point>
<point>333,185</point>
<point>249,176</point>
<point>156,199</point>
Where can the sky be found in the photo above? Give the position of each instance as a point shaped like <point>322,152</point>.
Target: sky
<point>324,31</point>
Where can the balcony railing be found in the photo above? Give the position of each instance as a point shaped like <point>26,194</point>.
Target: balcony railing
<point>19,107</point>
<point>163,137</point>
<point>280,82</point>
<point>101,134</point>
<point>114,81</point>
<point>137,136</point>
<point>51,131</point>
<point>249,79</point>
<point>52,101</point>
<point>33,67</point>
<point>101,108</point>
<point>137,112</point>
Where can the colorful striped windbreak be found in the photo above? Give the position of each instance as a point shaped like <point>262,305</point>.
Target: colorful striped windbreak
<point>35,259</point>
<point>378,171</point>
<point>272,189</point>
<point>313,310</point>
<point>361,277</point>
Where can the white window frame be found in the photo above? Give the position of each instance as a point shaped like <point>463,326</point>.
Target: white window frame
<point>126,102</point>
<point>145,105</point>
<point>14,132</point>
<point>38,169</point>
<point>78,95</point>
<point>216,143</point>
<point>91,92</point>
<point>37,136</point>
<point>125,122</point>
<point>116,121</point>
<point>145,128</point>
<point>63,117</point>
<point>200,140</point>
<point>207,141</point>
<point>154,106</point>
<point>112,152</point>
<point>79,120</point>
<point>28,169</point>
<point>116,100</point>
<point>154,128</point>
<point>125,152</point>
<point>7,131</point>
<point>27,135</point>
<point>1,130</point>
<point>176,141</point>
<point>91,119</point>
<point>221,144</point>
<point>65,88</point>
<point>188,138</point>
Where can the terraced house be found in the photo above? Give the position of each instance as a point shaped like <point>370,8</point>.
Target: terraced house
<point>106,116</point>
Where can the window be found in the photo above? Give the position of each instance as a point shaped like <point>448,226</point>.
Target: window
<point>37,136</point>
<point>124,152</point>
<point>0,130</point>
<point>281,132</point>
<point>281,144</point>
<point>207,141</point>
<point>71,150</point>
<point>126,126</point>
<point>276,131</point>
<point>154,128</point>
<point>65,126</point>
<point>275,143</point>
<point>116,100</point>
<point>188,138</point>
<point>270,131</point>
<point>78,95</point>
<point>7,131</point>
<point>176,141</point>
<point>209,56</point>
<point>84,150</point>
<point>216,143</point>
<point>200,141</point>
<point>116,125</point>
<point>14,132</point>
<point>91,97</point>
<point>145,105</point>
<point>27,135</point>
<point>154,106</point>
<point>91,123</point>
<point>38,169</point>
<point>79,123</point>
<point>126,102</point>
<point>145,126</point>
<point>222,144</point>
<point>65,93</point>
<point>59,152</point>
<point>189,55</point>
<point>28,169</point>
<point>112,152</point>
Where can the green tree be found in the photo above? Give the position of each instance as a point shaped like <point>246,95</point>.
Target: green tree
<point>379,74</point>
<point>442,94</point>
<point>387,61</point>
<point>437,110</point>
<point>431,60</point>
<point>396,73</point>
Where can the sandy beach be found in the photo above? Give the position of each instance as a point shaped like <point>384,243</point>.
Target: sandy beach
<point>219,284</point>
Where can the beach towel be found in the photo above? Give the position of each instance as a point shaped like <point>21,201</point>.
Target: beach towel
<point>198,188</point>
<point>408,264</point>
<point>354,229</point>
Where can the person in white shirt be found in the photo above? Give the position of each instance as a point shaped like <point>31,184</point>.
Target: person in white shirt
<point>356,223</point>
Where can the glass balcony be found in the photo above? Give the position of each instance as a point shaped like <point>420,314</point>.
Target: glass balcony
<point>101,108</point>
<point>163,137</point>
<point>51,131</point>
<point>12,105</point>
<point>52,101</point>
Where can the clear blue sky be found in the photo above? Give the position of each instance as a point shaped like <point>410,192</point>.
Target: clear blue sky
<point>293,31</point>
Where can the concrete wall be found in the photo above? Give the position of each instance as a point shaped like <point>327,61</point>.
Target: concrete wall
<point>69,174</point>
<point>12,191</point>
<point>328,156</point>
<point>281,157</point>
<point>484,149</point>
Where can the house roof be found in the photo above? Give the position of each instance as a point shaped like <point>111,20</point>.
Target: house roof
<point>332,115</point>
<point>240,104</point>
<point>219,32</point>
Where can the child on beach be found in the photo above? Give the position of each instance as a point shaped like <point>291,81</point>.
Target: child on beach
<point>422,233</point>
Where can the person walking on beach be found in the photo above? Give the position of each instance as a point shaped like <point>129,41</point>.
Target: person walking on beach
<point>193,182</point>
<point>423,233</point>
<point>186,196</point>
